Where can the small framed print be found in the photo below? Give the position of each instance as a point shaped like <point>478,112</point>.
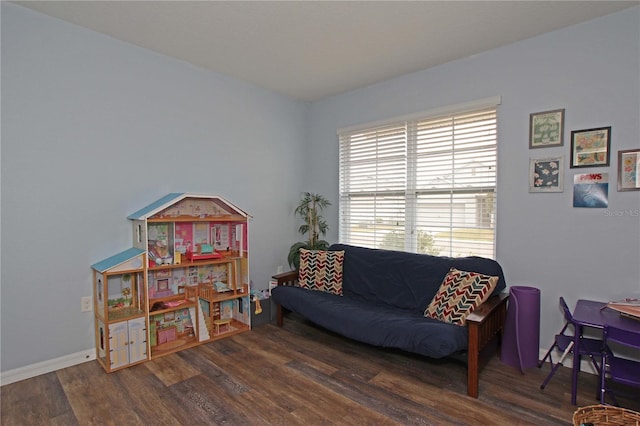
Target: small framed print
<point>629,170</point>
<point>162,285</point>
<point>590,147</point>
<point>163,273</point>
<point>546,129</point>
<point>546,174</point>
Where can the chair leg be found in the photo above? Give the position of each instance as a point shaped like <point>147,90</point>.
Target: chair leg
<point>595,364</point>
<point>603,382</point>
<point>548,378</point>
<point>599,373</point>
<point>547,355</point>
<point>604,393</point>
<point>603,397</point>
<point>557,365</point>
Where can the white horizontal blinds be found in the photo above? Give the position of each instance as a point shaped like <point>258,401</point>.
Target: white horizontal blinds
<point>423,185</point>
<point>456,181</point>
<point>372,184</point>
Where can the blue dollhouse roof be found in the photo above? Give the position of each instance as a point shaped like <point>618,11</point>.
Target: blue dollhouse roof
<point>117,259</point>
<point>173,198</point>
<point>156,206</point>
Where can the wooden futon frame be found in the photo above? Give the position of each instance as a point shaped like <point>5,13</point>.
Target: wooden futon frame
<point>484,324</point>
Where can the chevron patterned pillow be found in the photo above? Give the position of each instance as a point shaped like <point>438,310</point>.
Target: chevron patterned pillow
<point>321,270</point>
<point>459,294</point>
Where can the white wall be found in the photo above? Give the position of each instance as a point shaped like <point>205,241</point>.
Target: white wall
<point>94,129</point>
<point>593,71</point>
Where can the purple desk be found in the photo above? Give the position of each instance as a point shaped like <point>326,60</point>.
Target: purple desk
<point>589,313</point>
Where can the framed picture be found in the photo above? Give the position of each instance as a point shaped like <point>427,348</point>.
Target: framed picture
<point>546,129</point>
<point>546,174</point>
<point>163,273</point>
<point>590,147</point>
<point>591,190</point>
<point>162,285</point>
<point>629,170</point>
<point>169,316</point>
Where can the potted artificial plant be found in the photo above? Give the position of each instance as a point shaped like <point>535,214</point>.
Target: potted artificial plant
<point>313,227</point>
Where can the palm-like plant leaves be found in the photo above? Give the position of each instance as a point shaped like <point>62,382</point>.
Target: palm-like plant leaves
<point>314,226</point>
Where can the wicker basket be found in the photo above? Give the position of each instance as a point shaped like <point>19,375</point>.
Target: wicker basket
<point>605,415</point>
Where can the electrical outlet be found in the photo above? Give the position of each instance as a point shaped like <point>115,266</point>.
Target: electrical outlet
<point>280,269</point>
<point>86,304</point>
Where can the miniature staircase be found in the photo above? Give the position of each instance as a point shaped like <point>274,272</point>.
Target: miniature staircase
<point>203,332</point>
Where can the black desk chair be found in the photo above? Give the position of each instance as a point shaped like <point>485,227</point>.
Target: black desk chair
<point>565,343</point>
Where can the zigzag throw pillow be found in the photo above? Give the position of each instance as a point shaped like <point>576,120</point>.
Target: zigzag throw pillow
<point>459,294</point>
<point>321,270</point>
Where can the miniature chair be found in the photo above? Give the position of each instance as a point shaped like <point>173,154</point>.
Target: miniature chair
<point>621,370</point>
<point>591,347</point>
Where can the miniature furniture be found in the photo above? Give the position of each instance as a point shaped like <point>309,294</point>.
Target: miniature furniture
<point>383,301</point>
<point>185,276</point>
<point>617,369</point>
<point>220,323</point>
<point>589,313</point>
<point>567,344</point>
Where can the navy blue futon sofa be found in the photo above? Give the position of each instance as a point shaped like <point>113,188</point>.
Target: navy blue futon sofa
<point>385,294</point>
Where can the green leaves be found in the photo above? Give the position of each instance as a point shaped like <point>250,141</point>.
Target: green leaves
<point>314,226</point>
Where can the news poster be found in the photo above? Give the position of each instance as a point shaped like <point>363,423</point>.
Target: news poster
<point>591,190</point>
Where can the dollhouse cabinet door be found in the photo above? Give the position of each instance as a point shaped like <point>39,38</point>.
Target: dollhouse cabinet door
<point>137,340</point>
<point>119,344</point>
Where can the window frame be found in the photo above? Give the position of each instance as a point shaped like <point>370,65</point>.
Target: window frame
<point>411,191</point>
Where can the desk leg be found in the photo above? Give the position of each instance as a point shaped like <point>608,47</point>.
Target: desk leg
<point>576,363</point>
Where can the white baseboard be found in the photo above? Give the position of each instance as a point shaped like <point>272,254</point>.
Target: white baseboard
<point>44,367</point>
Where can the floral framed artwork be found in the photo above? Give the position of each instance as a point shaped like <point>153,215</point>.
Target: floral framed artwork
<point>629,170</point>
<point>546,174</point>
<point>590,147</point>
<point>546,129</point>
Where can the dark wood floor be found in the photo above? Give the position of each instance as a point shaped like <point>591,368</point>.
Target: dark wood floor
<point>295,375</point>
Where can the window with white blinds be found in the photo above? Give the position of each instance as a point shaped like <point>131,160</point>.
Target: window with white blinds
<point>423,185</point>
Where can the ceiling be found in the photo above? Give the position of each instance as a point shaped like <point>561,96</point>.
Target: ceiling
<point>309,50</point>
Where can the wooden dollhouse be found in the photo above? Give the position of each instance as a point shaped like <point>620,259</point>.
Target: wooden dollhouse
<point>184,282</point>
